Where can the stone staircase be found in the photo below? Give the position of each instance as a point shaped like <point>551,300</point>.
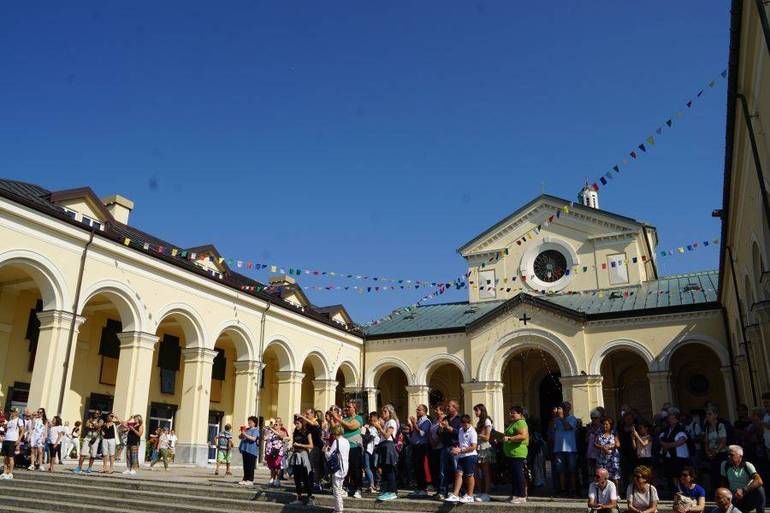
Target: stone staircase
<point>39,492</point>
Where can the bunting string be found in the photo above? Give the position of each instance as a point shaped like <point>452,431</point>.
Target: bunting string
<point>649,142</point>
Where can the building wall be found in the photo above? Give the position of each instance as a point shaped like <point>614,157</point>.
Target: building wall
<point>747,235</point>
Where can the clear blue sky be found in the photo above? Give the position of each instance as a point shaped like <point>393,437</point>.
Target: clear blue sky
<point>361,136</point>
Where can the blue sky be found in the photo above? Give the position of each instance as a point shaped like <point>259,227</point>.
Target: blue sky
<point>366,137</point>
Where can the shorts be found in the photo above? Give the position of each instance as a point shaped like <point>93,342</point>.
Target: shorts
<point>224,456</point>
<point>89,449</point>
<point>467,465</point>
<point>565,461</point>
<point>274,462</point>
<point>51,448</point>
<point>108,446</point>
<point>36,442</point>
<point>487,453</point>
<point>9,449</point>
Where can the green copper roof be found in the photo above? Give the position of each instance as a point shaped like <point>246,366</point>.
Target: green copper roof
<point>653,297</point>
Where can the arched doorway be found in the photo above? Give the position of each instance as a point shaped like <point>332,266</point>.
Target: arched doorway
<point>392,385</point>
<point>696,378</point>
<point>625,382</point>
<point>276,358</point>
<point>315,372</point>
<point>531,379</point>
<point>445,383</point>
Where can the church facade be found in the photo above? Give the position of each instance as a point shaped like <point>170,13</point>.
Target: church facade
<point>565,302</point>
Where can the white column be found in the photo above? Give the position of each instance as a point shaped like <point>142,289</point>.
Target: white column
<point>584,392</point>
<point>324,392</point>
<point>418,394</point>
<point>488,393</point>
<point>49,374</point>
<point>727,378</point>
<point>289,394</point>
<point>660,388</point>
<point>132,386</point>
<point>371,398</point>
<point>246,385</point>
<point>193,415</point>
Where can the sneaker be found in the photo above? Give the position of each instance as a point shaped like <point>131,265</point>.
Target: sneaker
<point>248,483</point>
<point>357,495</point>
<point>87,471</point>
<point>77,470</point>
<point>439,496</point>
<point>9,476</point>
<point>3,476</point>
<point>512,499</point>
<point>467,499</point>
<point>519,500</point>
<point>132,472</point>
<point>31,467</point>
<point>383,496</point>
<point>419,494</point>
<point>124,472</point>
<point>452,498</point>
<point>484,498</point>
<point>478,499</point>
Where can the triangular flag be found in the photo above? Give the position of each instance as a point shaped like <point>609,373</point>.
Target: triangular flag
<point>642,147</point>
<point>603,180</point>
<point>689,104</point>
<point>699,93</point>
<point>595,186</point>
<point>650,140</point>
<point>127,241</point>
<point>174,252</point>
<point>146,245</point>
<point>633,154</point>
<point>711,84</point>
<point>616,168</point>
<point>724,73</point>
<point>659,130</point>
<point>273,269</point>
<point>669,123</point>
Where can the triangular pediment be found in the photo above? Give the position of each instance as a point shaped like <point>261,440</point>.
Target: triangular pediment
<point>549,214</point>
<point>208,258</point>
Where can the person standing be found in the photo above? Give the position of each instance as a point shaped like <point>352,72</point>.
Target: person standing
<point>89,446</point>
<point>163,449</point>
<point>437,452</point>
<point>466,455</point>
<point>55,439</point>
<point>37,438</point>
<point>515,449</point>
<point>715,443</point>
<point>565,448</point>
<point>642,441</point>
<point>449,432</point>
<point>338,451</point>
<point>133,441</point>
<point>352,422</point>
<point>172,438</point>
<point>313,420</point>
<point>673,443</point>
<point>609,455</point>
<point>75,439</point>
<point>419,428</point>
<point>249,448</point>
<point>14,434</point>
<point>388,456</point>
<point>486,454</point>
<point>110,435</point>
<point>302,444</point>
<point>224,444</point>
<point>370,452</point>
<point>275,439</point>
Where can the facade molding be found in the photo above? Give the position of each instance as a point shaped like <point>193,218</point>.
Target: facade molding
<point>636,347</point>
<point>492,362</point>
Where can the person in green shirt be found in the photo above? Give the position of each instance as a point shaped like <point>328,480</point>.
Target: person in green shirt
<point>515,442</point>
<point>352,422</point>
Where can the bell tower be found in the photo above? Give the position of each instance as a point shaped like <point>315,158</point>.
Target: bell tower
<point>589,196</point>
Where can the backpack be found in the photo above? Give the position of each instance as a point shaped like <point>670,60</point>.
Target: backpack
<point>334,461</point>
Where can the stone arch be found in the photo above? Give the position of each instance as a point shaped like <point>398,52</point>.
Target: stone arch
<point>384,364</point>
<point>319,362</point>
<point>349,371</point>
<point>594,368</point>
<point>491,366</point>
<point>46,275</point>
<point>241,336</point>
<point>284,353</point>
<point>123,298</point>
<point>421,377</point>
<point>190,321</point>
<point>663,361</point>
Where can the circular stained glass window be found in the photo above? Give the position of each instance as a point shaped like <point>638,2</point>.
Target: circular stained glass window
<point>550,265</point>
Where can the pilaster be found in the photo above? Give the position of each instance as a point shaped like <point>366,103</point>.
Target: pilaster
<point>192,417</point>
<point>132,386</point>
<point>660,388</point>
<point>417,395</point>
<point>246,387</point>
<point>324,393</point>
<point>289,394</point>
<point>49,374</point>
<point>584,392</point>
<point>488,393</point>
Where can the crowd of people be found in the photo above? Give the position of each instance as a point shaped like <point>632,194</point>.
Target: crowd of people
<point>34,441</point>
<point>456,457</point>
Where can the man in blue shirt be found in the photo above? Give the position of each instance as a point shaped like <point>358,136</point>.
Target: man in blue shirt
<point>565,448</point>
<point>419,427</point>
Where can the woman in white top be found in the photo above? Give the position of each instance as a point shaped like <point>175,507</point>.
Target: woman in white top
<point>486,455</point>
<point>641,495</point>
<point>55,437</point>
<point>466,458</point>
<point>341,446</point>
<point>37,438</point>
<point>388,455</point>
<point>370,453</point>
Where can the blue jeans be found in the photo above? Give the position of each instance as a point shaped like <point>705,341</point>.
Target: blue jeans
<point>447,470</point>
<point>370,463</point>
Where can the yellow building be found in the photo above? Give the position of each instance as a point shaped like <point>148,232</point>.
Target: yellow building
<point>565,301</point>
<point>745,277</point>
<point>96,314</point>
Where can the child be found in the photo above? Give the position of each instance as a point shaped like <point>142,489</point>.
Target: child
<point>340,449</point>
<point>224,443</point>
<point>466,458</point>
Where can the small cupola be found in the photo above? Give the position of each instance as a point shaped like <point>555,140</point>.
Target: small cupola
<point>589,196</point>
